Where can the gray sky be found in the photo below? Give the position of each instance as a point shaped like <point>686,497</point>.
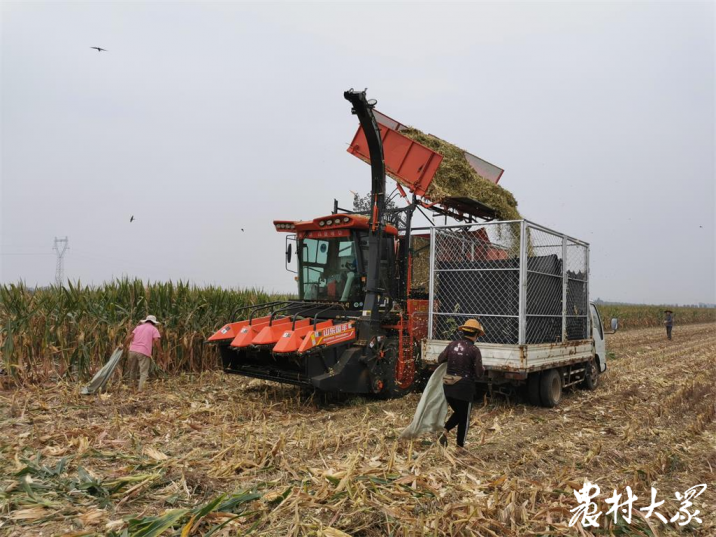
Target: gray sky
<point>202,119</point>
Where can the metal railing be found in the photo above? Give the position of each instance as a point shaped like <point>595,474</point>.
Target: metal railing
<point>525,283</point>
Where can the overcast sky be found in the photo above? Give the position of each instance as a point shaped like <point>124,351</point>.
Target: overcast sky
<point>202,119</point>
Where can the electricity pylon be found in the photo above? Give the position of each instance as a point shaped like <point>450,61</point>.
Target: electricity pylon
<point>60,269</point>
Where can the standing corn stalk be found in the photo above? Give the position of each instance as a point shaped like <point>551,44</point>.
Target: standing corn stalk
<point>70,331</point>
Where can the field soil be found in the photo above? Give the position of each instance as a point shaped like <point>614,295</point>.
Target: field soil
<point>224,455</point>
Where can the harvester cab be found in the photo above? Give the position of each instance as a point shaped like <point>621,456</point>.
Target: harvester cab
<point>361,312</point>
<point>332,253</point>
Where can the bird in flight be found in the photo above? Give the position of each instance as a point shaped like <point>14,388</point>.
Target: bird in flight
<point>99,49</point>
<point>131,219</point>
<point>242,229</point>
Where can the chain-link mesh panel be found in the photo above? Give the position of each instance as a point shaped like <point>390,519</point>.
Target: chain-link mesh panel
<point>476,275</point>
<point>576,260</point>
<point>577,291</point>
<point>420,268</point>
<point>545,281</point>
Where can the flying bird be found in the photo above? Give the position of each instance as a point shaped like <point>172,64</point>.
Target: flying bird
<point>131,219</point>
<point>242,229</point>
<point>99,49</point>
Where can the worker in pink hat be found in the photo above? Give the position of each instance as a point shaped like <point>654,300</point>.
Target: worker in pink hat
<point>140,349</point>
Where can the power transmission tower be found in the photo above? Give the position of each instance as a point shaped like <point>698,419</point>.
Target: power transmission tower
<point>61,246</point>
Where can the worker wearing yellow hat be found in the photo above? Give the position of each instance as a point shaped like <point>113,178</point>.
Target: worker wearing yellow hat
<point>464,368</point>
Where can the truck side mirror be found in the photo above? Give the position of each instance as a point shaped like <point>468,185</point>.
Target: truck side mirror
<point>289,251</point>
<point>615,324</point>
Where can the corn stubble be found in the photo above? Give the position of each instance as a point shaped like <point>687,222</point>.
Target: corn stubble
<point>219,455</point>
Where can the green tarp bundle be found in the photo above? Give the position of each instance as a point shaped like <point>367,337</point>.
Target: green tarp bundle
<point>432,408</point>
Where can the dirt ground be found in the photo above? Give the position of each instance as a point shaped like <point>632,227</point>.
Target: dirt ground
<point>280,462</point>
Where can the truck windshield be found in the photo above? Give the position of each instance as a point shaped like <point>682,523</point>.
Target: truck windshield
<point>328,270</point>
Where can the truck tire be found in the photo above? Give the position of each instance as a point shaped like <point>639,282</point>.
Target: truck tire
<point>591,375</point>
<point>533,389</point>
<point>550,388</point>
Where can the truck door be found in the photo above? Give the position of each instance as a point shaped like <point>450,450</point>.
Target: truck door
<point>598,335</point>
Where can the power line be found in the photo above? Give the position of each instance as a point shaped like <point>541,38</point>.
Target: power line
<point>60,268</point>
<point>25,253</point>
<point>102,257</point>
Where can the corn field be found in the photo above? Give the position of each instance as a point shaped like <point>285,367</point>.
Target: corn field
<point>71,331</point>
<point>643,316</point>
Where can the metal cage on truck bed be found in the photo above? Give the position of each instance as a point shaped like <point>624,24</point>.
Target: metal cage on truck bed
<point>525,283</point>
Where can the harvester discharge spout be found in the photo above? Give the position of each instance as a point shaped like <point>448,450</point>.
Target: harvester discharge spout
<point>364,110</point>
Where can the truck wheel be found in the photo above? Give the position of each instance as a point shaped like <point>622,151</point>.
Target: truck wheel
<point>550,388</point>
<point>533,389</point>
<point>591,375</point>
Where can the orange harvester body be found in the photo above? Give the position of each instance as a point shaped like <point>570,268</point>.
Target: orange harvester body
<point>359,323</point>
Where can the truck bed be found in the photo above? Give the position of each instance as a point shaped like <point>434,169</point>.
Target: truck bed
<point>519,358</point>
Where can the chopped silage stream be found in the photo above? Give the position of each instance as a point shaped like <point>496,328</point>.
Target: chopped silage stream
<point>455,177</point>
<point>222,455</point>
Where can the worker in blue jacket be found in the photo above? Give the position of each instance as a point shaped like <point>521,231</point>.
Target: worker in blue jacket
<point>669,322</point>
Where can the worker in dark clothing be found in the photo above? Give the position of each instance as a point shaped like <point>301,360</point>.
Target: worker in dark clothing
<point>669,322</point>
<point>464,368</point>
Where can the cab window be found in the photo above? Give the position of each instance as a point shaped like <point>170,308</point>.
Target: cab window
<point>328,270</point>
<point>597,321</point>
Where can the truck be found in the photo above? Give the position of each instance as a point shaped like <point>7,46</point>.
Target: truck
<point>378,299</point>
<point>528,285</point>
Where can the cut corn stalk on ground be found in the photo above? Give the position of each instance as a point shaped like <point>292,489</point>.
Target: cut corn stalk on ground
<point>214,455</point>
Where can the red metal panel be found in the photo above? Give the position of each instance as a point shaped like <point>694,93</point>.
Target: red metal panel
<point>418,312</point>
<point>406,161</point>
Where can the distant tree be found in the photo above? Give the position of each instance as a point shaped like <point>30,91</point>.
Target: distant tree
<point>364,204</point>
